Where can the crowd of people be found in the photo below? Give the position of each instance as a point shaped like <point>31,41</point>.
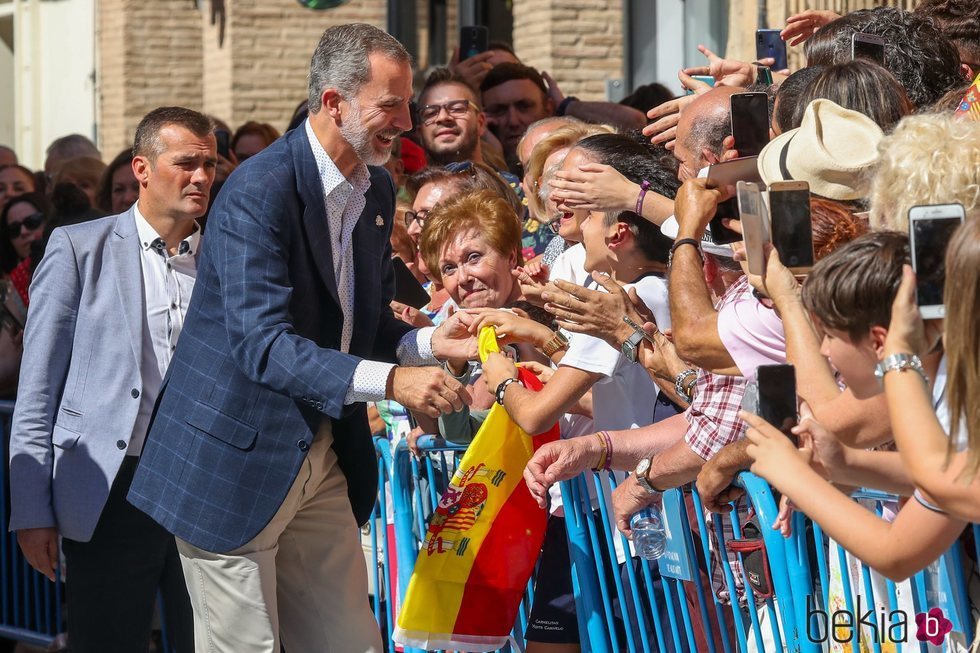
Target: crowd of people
<point>583,232</point>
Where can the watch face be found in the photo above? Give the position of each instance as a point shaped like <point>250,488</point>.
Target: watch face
<point>643,466</point>
<point>629,351</point>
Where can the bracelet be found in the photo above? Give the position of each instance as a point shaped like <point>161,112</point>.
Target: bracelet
<point>684,382</point>
<point>609,451</point>
<point>498,396</point>
<point>599,466</point>
<point>681,243</point>
<point>563,105</point>
<point>644,187</point>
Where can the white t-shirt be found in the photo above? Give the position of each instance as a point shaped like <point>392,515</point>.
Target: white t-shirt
<point>625,397</point>
<point>570,266</point>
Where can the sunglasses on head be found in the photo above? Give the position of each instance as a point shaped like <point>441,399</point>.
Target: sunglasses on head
<point>32,222</point>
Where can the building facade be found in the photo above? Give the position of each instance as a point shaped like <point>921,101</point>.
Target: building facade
<point>95,67</point>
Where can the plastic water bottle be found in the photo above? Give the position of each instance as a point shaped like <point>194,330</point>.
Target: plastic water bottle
<point>649,535</point>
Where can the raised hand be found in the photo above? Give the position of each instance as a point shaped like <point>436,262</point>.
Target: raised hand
<point>801,26</point>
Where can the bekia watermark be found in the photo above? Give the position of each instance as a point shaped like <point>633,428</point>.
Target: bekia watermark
<point>881,625</point>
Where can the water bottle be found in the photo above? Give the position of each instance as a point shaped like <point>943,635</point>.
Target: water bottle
<point>649,535</point>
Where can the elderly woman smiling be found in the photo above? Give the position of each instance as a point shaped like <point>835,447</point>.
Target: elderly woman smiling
<point>472,243</point>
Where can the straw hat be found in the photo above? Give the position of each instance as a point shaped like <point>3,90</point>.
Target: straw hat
<point>832,150</point>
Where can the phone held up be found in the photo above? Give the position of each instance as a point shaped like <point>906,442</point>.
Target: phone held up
<point>768,43</point>
<point>791,225</point>
<point>729,173</point>
<point>777,397</point>
<point>750,122</point>
<point>755,225</point>
<point>868,46</point>
<point>930,228</point>
<point>473,39</point>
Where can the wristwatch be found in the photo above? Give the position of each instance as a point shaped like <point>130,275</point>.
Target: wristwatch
<point>900,363</point>
<point>631,346</point>
<point>558,342</point>
<point>641,476</point>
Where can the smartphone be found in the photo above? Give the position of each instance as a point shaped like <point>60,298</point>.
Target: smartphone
<point>224,140</point>
<point>777,397</point>
<point>755,225</point>
<point>724,174</point>
<point>868,46</point>
<point>707,79</point>
<point>408,290</point>
<point>930,228</point>
<point>763,75</point>
<point>790,224</point>
<point>750,122</point>
<point>473,39</point>
<point>768,43</point>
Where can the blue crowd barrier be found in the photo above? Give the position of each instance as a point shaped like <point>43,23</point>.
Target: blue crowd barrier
<point>649,606</point>
<point>30,604</point>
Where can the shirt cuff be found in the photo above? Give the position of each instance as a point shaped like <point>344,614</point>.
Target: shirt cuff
<point>415,348</point>
<point>369,382</point>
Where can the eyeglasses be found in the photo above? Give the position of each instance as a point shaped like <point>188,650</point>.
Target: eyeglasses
<point>455,108</point>
<point>416,216</point>
<point>32,222</point>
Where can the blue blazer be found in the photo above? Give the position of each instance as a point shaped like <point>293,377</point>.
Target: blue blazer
<point>80,379</point>
<point>258,365</point>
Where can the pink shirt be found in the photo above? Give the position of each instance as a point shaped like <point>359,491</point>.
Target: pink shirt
<point>752,333</point>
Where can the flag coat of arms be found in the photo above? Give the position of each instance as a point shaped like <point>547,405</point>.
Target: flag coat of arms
<point>482,541</point>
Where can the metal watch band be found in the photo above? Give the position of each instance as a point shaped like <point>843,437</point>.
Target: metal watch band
<point>558,342</point>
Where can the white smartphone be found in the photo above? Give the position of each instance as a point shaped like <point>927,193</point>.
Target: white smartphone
<point>930,228</point>
<point>755,225</point>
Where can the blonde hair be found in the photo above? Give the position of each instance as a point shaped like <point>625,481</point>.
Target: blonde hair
<point>962,299</point>
<point>930,158</point>
<point>482,210</point>
<point>564,136</point>
<point>81,169</point>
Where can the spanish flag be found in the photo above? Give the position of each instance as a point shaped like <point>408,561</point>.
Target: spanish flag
<point>482,540</point>
<point>969,106</point>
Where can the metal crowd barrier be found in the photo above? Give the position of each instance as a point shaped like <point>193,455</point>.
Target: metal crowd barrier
<point>30,604</point>
<point>670,604</point>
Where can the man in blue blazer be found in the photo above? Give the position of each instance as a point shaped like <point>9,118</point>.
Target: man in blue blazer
<point>107,305</point>
<point>259,457</point>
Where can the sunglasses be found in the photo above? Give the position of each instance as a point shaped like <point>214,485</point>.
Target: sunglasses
<point>32,222</point>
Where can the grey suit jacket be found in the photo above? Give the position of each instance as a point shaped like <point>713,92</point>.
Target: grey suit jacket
<point>80,380</point>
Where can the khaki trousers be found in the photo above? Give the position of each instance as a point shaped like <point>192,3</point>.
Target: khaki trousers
<point>301,581</point>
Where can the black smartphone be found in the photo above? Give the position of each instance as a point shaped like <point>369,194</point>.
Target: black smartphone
<point>473,39</point>
<point>930,228</point>
<point>750,122</point>
<point>777,397</point>
<point>224,141</point>
<point>408,290</point>
<point>868,46</point>
<point>791,225</point>
<point>769,44</point>
<point>724,174</point>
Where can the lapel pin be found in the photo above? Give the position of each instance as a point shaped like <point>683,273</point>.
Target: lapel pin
<point>378,220</point>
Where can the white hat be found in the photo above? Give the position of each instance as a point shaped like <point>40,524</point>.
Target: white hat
<point>833,149</point>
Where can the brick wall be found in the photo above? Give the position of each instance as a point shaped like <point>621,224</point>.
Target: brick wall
<point>149,55</point>
<point>579,42</point>
<point>260,72</point>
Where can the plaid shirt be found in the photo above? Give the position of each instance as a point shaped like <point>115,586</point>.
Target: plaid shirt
<point>713,415</point>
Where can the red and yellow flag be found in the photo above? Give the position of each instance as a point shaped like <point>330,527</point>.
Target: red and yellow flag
<point>482,541</point>
<point>969,106</point>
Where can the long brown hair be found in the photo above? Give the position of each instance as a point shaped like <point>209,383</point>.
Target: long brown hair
<point>962,299</point>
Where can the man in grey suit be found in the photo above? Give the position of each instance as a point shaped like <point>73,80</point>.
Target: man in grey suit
<point>107,305</point>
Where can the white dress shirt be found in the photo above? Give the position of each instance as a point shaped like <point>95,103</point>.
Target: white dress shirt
<point>167,285</point>
<point>344,202</point>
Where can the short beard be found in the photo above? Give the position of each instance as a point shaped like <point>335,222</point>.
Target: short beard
<point>464,152</point>
<point>357,134</point>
